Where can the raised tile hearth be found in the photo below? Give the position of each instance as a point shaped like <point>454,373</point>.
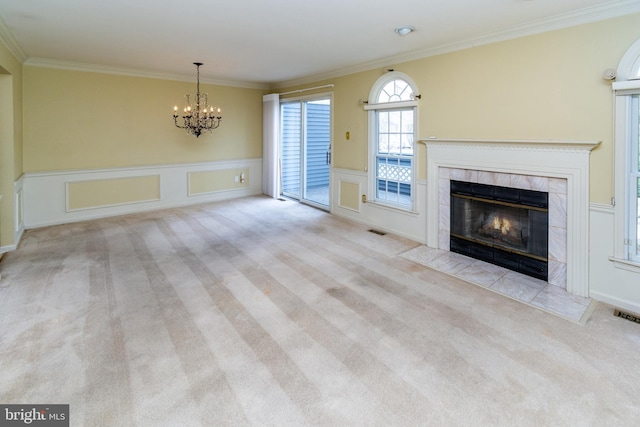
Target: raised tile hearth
<point>533,292</point>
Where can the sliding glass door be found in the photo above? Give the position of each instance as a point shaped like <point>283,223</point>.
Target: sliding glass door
<point>306,150</point>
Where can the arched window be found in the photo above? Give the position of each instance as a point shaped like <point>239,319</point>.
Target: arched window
<point>395,90</point>
<point>627,158</point>
<point>392,133</point>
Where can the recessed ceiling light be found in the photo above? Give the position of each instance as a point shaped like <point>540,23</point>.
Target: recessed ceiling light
<point>403,31</point>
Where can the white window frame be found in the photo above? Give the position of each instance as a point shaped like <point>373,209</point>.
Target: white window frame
<point>627,92</point>
<point>633,175</point>
<point>373,108</point>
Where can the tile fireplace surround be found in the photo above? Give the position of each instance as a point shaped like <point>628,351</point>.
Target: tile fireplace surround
<point>560,168</point>
<point>557,189</point>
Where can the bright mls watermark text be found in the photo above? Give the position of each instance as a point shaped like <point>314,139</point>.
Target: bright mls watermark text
<point>34,415</point>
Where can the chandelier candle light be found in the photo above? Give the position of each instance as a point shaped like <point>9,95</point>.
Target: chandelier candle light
<point>198,117</point>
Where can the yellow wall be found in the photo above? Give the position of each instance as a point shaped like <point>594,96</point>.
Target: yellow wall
<point>545,86</point>
<point>10,140</point>
<point>84,120</point>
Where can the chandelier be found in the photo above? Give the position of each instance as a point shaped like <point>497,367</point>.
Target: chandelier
<point>198,117</point>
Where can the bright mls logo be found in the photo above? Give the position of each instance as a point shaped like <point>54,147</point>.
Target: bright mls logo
<point>34,415</point>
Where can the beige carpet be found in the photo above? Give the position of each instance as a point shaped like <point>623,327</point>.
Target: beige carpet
<point>261,312</point>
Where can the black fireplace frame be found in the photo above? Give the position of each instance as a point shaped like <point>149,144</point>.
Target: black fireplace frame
<point>531,265</point>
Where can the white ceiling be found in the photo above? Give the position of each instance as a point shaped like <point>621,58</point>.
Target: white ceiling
<point>271,42</point>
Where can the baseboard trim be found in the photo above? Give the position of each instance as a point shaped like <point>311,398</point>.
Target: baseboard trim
<point>138,209</point>
<point>8,248</point>
<point>616,302</point>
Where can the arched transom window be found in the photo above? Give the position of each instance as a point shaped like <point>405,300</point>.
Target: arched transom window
<point>394,91</point>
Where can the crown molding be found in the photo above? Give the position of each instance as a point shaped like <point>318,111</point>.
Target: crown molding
<point>104,69</point>
<point>608,10</point>
<point>7,39</point>
<point>601,12</point>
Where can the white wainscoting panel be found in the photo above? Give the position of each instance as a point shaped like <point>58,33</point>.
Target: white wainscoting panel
<point>609,281</point>
<point>44,194</point>
<point>18,194</point>
<point>411,225</point>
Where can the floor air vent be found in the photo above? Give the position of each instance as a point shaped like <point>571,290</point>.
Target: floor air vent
<point>379,233</point>
<point>628,316</point>
<point>282,200</point>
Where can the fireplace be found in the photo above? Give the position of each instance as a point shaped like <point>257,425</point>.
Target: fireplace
<point>560,168</point>
<point>501,225</point>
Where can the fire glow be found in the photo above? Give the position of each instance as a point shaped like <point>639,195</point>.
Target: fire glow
<point>502,224</point>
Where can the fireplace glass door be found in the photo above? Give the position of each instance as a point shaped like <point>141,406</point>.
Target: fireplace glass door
<point>504,226</point>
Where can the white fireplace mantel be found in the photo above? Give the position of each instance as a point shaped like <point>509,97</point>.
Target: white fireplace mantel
<point>541,158</point>
<point>542,144</point>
